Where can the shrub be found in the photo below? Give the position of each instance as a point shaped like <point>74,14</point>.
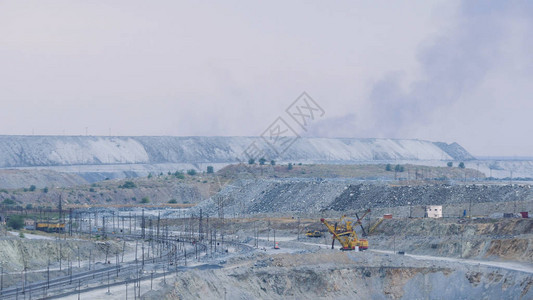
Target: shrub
<point>462,165</point>
<point>450,164</point>
<point>179,175</point>
<point>32,188</point>
<point>210,169</point>
<point>273,162</point>
<point>149,175</point>
<point>388,167</point>
<point>262,161</point>
<point>29,206</point>
<point>145,200</point>
<point>128,185</point>
<point>8,202</point>
<point>15,222</point>
<point>172,201</point>
<point>91,190</point>
<point>45,190</point>
<point>251,161</point>
<point>289,167</point>
<point>191,172</point>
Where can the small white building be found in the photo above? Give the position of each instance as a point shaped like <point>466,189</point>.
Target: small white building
<point>434,211</point>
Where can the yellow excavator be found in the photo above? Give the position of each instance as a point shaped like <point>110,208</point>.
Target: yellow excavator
<point>344,231</point>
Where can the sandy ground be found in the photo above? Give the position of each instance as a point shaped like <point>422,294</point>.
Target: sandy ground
<point>32,236</point>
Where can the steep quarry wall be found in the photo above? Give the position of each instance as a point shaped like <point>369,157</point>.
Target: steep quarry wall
<point>32,151</point>
<point>335,275</point>
<point>507,239</point>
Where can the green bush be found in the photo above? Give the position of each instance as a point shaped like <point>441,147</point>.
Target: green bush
<point>179,175</point>
<point>388,167</point>
<point>45,190</point>
<point>128,185</point>
<point>15,222</point>
<point>32,188</point>
<point>462,165</point>
<point>273,162</point>
<point>29,206</point>
<point>145,200</point>
<point>191,172</point>
<point>172,201</point>
<point>262,161</point>
<point>251,161</point>
<point>450,164</point>
<point>210,170</point>
<point>289,167</point>
<point>8,202</point>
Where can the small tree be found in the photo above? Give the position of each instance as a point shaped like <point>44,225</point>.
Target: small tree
<point>397,168</point>
<point>462,165</point>
<point>388,167</point>
<point>32,188</point>
<point>289,167</point>
<point>15,222</point>
<point>272,162</point>
<point>262,161</point>
<point>45,190</point>
<point>8,202</point>
<point>145,200</point>
<point>149,175</point>
<point>29,206</point>
<point>450,164</point>
<point>172,201</point>
<point>210,170</point>
<point>191,172</point>
<point>251,161</point>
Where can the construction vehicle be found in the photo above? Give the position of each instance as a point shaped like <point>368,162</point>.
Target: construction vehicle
<point>344,231</point>
<point>315,233</point>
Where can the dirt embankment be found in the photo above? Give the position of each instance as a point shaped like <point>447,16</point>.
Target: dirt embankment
<point>155,190</point>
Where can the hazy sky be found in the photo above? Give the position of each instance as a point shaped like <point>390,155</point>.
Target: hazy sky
<point>436,70</point>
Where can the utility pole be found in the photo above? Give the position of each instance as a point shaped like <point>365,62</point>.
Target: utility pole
<point>142,225</point>
<point>200,226</point>
<point>298,232</point>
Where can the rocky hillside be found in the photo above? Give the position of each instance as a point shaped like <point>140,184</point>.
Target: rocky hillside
<point>14,179</point>
<point>316,195</point>
<point>32,151</point>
